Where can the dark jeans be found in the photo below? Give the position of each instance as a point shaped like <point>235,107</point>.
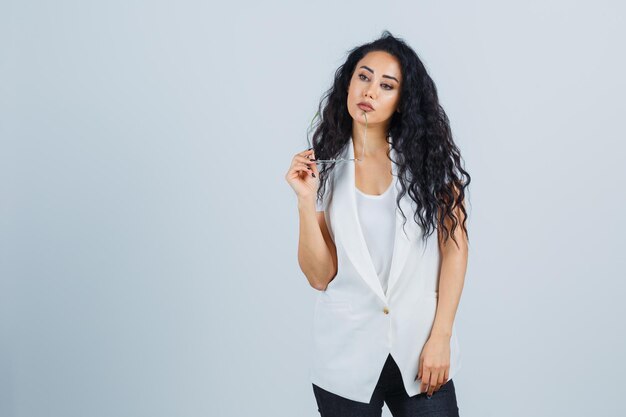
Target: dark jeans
<point>390,390</point>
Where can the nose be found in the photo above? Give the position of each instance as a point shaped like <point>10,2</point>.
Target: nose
<point>369,92</point>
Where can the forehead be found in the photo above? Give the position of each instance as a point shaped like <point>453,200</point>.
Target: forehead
<point>382,63</point>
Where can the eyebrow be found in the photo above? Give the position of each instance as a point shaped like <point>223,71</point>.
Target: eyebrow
<point>384,76</point>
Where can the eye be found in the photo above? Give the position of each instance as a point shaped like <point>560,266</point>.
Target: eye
<point>362,75</point>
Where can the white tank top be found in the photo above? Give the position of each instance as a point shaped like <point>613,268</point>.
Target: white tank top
<point>377,214</point>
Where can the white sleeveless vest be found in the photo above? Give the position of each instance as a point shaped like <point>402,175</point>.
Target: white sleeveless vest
<point>355,324</point>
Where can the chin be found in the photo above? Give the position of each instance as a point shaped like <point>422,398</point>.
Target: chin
<point>361,118</point>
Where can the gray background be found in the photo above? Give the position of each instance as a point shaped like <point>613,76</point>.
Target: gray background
<point>148,239</point>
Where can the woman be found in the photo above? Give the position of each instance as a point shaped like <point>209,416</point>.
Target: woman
<point>384,319</point>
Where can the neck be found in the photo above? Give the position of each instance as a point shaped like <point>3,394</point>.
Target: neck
<point>375,142</point>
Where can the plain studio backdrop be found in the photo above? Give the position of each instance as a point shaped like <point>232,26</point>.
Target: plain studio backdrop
<point>148,238</point>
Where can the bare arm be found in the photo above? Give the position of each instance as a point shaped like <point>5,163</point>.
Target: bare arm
<point>451,277</point>
<point>434,364</point>
<point>317,254</point>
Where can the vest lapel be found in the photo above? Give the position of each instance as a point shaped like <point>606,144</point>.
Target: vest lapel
<point>349,227</point>
<point>404,240</point>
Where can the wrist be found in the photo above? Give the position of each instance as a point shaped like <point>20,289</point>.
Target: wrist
<point>442,333</point>
<point>306,202</point>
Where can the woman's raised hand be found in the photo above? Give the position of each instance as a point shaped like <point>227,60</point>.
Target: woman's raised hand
<point>303,175</point>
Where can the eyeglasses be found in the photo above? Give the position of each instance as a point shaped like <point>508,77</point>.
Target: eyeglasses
<point>330,161</point>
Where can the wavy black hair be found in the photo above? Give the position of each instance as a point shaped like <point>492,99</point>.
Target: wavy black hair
<point>421,137</point>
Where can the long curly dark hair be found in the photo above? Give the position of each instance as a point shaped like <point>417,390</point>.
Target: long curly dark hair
<point>421,137</point>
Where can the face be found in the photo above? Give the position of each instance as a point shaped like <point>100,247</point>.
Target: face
<point>376,80</point>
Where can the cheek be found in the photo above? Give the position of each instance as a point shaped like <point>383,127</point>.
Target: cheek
<point>392,102</point>
<point>353,98</point>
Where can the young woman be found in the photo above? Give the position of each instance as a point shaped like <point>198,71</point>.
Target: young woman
<point>389,286</point>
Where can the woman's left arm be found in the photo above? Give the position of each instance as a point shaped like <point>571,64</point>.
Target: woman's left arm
<point>435,359</point>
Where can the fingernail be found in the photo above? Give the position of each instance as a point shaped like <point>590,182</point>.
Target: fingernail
<point>309,149</point>
<point>429,396</point>
<point>313,174</point>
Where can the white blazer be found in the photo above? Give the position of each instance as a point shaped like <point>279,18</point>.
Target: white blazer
<point>355,324</point>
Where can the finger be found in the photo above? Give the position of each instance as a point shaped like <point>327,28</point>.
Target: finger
<point>441,381</point>
<point>425,380</point>
<point>432,381</point>
<point>432,384</point>
<point>310,163</point>
<point>422,373</point>
<point>304,168</point>
<point>304,159</point>
<point>300,162</point>
<point>444,379</point>
<point>438,379</point>
<point>307,152</point>
<point>299,168</point>
<point>313,165</point>
<point>419,369</point>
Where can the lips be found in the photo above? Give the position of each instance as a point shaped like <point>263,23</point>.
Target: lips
<point>365,106</point>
